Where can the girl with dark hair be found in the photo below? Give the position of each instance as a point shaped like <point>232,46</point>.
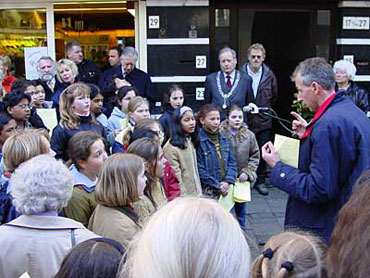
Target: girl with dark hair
<point>246,151</point>
<point>119,113</point>
<point>96,106</point>
<point>154,161</point>
<point>172,99</point>
<point>93,258</point>
<point>215,155</point>
<point>75,117</point>
<point>180,151</point>
<point>7,127</point>
<point>87,155</point>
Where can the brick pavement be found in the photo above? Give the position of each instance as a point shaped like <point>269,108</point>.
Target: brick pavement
<point>265,217</point>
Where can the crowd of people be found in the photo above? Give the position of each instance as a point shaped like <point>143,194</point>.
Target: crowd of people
<point>113,192</point>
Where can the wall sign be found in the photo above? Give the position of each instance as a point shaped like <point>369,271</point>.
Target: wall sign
<point>356,23</point>
<point>349,58</point>
<point>201,62</point>
<point>199,93</point>
<point>153,21</point>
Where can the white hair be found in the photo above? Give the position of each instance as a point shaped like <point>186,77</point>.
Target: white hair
<point>347,66</point>
<point>189,237</point>
<point>41,184</point>
<point>129,51</point>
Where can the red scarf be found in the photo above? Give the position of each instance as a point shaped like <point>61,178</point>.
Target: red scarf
<point>318,114</point>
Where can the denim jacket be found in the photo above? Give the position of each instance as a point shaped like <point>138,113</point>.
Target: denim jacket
<point>208,161</point>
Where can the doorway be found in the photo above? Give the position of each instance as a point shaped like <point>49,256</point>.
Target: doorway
<point>289,36</point>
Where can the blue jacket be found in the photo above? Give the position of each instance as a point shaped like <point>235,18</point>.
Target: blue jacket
<point>61,135</point>
<point>208,161</point>
<point>331,159</point>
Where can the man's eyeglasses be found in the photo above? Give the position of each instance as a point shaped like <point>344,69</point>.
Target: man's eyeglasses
<point>256,56</point>
<point>24,106</point>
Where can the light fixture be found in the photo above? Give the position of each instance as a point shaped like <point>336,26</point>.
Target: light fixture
<point>90,9</point>
<point>90,2</point>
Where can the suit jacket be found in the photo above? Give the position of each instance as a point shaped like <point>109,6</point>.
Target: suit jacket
<point>242,88</point>
<point>137,78</point>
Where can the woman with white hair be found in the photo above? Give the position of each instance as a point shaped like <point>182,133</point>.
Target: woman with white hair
<point>344,74</point>
<point>37,241</point>
<point>189,237</point>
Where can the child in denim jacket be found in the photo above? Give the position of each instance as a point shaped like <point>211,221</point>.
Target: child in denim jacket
<point>215,156</point>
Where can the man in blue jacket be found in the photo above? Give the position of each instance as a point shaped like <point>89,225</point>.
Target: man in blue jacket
<point>334,151</point>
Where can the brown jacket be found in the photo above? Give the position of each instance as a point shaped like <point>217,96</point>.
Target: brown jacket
<point>184,164</point>
<point>38,244</point>
<point>112,223</point>
<point>245,149</point>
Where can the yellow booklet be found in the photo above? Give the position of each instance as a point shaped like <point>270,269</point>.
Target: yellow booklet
<point>287,149</point>
<point>227,202</point>
<point>242,191</point>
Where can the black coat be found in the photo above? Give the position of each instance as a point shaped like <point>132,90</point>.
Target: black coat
<point>357,94</point>
<point>61,135</point>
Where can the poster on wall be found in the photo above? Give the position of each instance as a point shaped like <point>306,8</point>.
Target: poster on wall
<point>31,56</point>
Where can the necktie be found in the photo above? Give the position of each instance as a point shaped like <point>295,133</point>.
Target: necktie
<point>228,82</point>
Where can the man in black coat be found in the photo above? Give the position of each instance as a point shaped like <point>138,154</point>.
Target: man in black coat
<point>88,71</point>
<point>126,74</point>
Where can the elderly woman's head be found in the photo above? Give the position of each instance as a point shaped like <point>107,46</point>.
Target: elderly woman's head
<point>344,71</point>
<point>41,184</point>
<point>189,237</point>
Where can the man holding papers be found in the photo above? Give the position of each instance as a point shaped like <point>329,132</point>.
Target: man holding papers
<point>334,151</point>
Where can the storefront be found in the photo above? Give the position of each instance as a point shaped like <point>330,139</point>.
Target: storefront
<point>97,25</point>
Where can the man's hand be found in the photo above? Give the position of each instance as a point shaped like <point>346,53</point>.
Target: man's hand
<point>243,177</point>
<point>299,125</point>
<point>224,188</point>
<point>121,83</point>
<point>269,154</point>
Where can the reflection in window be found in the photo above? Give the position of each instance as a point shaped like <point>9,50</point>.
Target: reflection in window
<point>21,28</point>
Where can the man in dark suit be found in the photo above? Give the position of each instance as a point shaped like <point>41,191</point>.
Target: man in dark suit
<point>126,74</point>
<point>228,86</point>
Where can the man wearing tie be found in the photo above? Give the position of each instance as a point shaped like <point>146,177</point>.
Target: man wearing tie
<point>229,85</point>
<point>264,94</point>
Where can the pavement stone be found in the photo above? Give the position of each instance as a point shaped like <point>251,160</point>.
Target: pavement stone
<point>265,218</point>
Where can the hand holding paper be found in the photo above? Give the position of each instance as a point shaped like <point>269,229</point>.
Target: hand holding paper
<point>287,149</point>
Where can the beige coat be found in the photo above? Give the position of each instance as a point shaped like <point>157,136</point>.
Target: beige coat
<point>185,166</point>
<point>246,150</point>
<point>144,208</point>
<point>37,244</point>
<point>112,223</point>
